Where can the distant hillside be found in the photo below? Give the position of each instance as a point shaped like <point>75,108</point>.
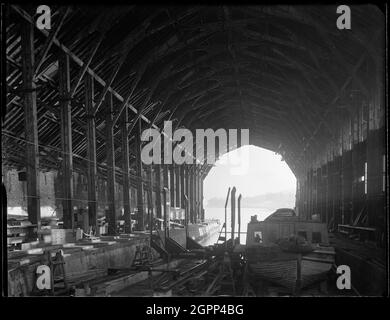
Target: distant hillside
<point>268,201</point>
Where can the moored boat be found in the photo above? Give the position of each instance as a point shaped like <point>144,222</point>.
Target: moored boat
<point>287,251</point>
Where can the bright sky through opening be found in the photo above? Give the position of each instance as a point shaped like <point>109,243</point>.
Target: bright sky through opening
<point>266,173</point>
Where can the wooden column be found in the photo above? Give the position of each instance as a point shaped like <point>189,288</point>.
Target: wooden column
<point>376,163</point>
<point>377,160</point>
<point>178,187</point>
<point>337,191</point>
<point>31,125</point>
<point>328,193</point>
<point>191,193</point>
<point>187,192</point>
<point>166,176</point>
<point>140,185</point>
<point>157,169</point>
<point>311,193</point>
<point>307,195</point>
<point>198,213</point>
<point>150,196</point>
<point>182,186</point>
<point>357,152</point>
<point>66,140</point>
<point>195,194</point>
<point>125,169</point>
<point>172,186</point>
<point>186,180</point>
<point>111,217</point>
<point>201,199</point>
<point>321,193</point>
<point>346,186</point>
<point>91,153</point>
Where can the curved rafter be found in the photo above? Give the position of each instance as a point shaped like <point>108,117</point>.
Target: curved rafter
<point>278,65</point>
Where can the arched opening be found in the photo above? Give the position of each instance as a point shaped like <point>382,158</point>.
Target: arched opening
<point>264,180</point>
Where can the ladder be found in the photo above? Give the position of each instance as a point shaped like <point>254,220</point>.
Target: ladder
<point>220,237</point>
<point>58,281</point>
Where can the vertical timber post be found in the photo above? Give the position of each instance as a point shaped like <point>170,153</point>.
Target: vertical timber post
<point>125,169</point>
<point>182,186</point>
<point>201,198</point>
<point>191,193</point>
<point>194,201</point>
<point>31,125</point>
<point>178,187</point>
<point>158,191</point>
<point>172,186</point>
<point>140,185</point>
<point>187,191</point>
<point>66,140</point>
<point>233,213</point>
<point>110,166</point>
<point>196,214</point>
<point>150,199</point>
<point>91,154</point>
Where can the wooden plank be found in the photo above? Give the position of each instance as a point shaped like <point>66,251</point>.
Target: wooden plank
<point>356,228</point>
<point>66,140</point>
<point>110,167</point>
<point>91,153</point>
<point>31,124</point>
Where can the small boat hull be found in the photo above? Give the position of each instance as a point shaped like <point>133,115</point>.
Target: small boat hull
<point>284,271</point>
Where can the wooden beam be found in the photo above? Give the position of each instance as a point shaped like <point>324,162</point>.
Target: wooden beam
<point>110,167</point>
<point>352,75</point>
<point>31,125</point>
<point>86,66</point>
<point>126,168</point>
<point>91,153</point>
<point>140,73</point>
<point>77,60</point>
<point>66,140</point>
<point>49,42</point>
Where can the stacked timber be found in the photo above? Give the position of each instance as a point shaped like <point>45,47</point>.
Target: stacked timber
<point>19,230</point>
